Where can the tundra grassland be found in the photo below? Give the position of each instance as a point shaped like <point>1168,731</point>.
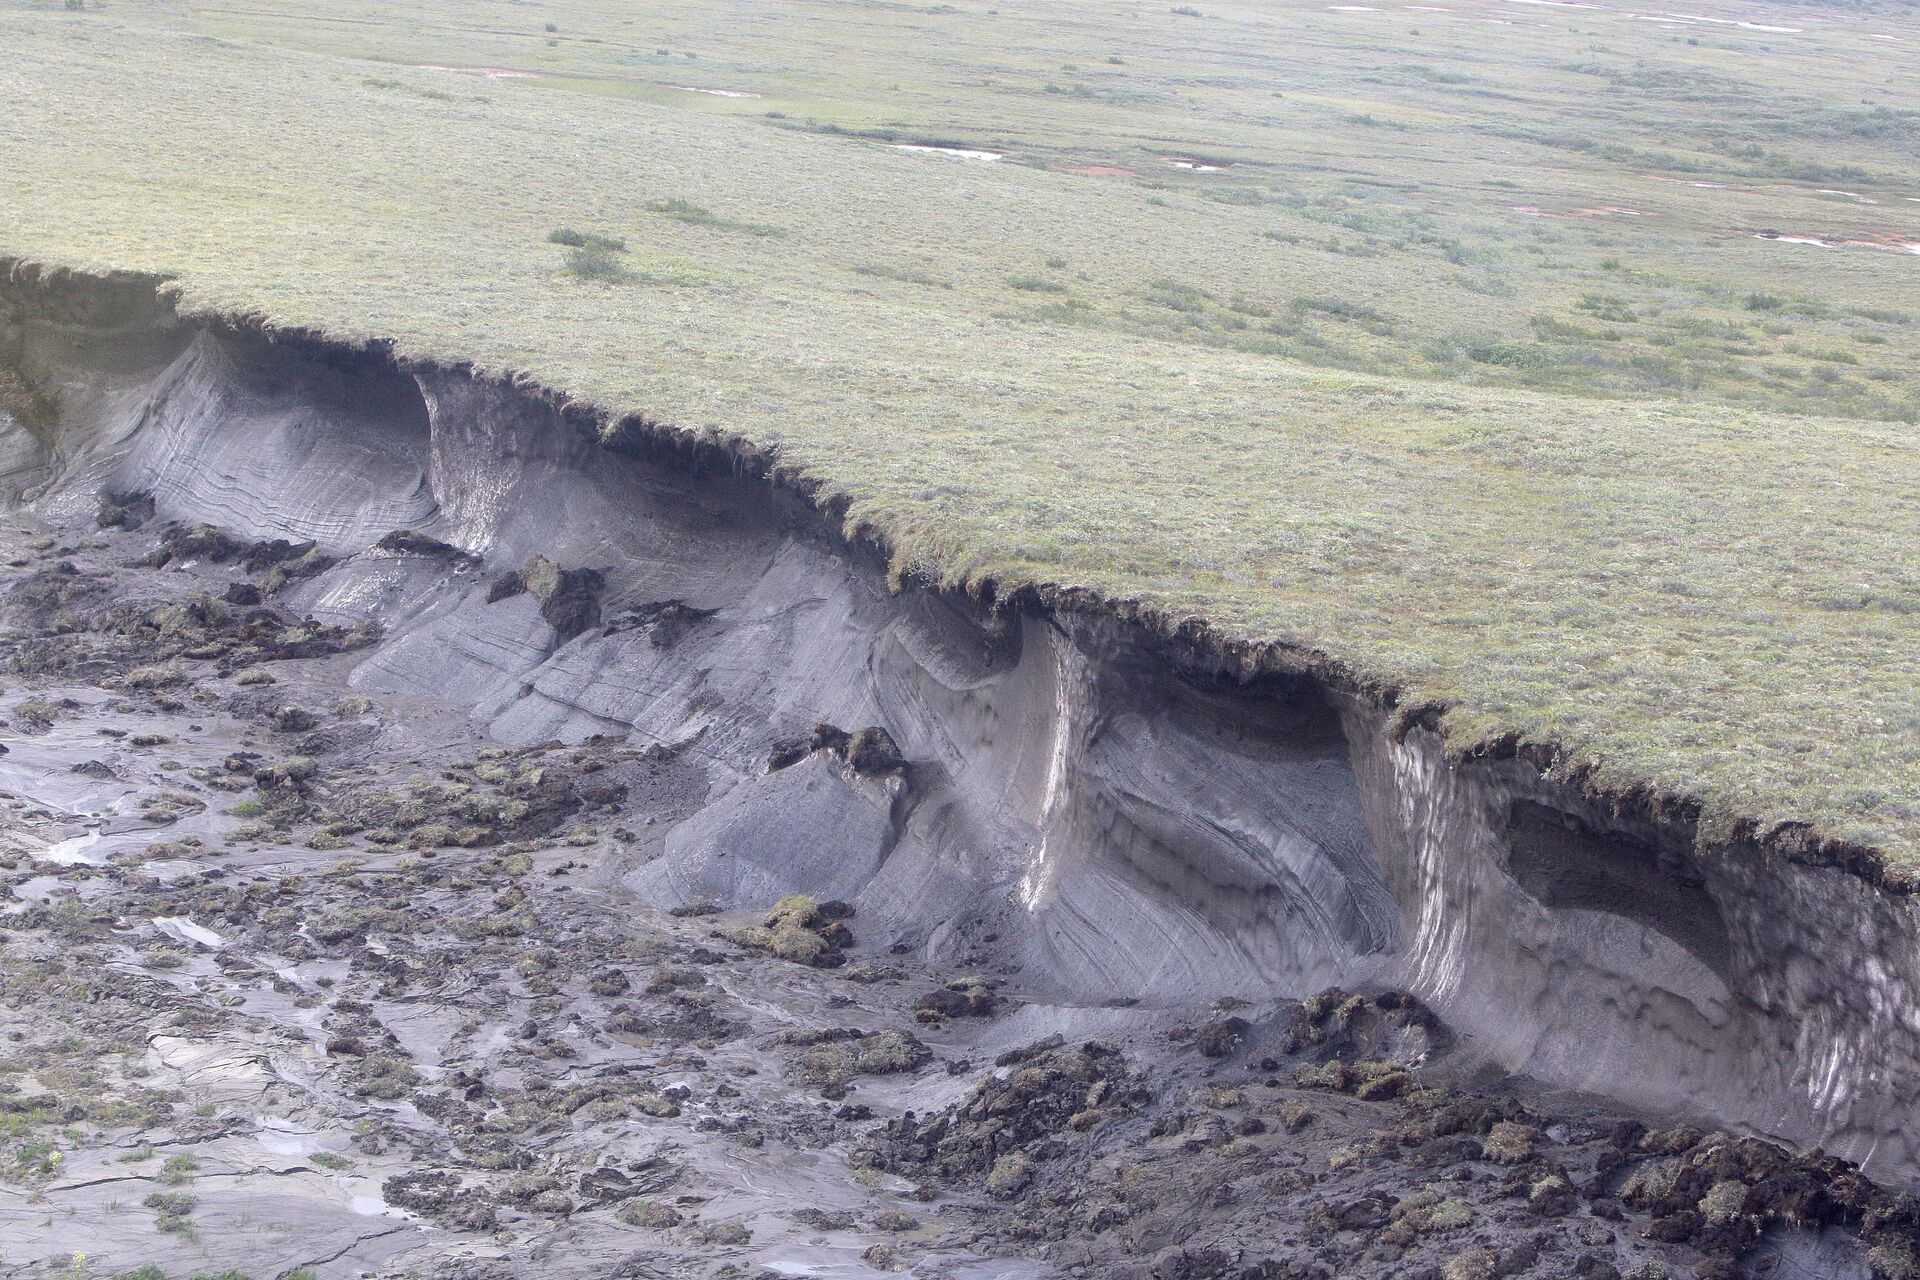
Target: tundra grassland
<point>1554,362</point>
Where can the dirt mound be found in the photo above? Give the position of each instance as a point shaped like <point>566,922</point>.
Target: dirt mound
<point>1014,1122</point>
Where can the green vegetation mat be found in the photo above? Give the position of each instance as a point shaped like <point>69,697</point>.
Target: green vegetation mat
<point>1475,345</point>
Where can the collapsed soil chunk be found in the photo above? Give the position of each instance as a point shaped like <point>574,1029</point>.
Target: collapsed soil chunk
<point>1720,1194</point>
<point>961,998</point>
<point>664,621</point>
<point>94,635</point>
<point>503,796</point>
<point>1013,1123</point>
<point>196,542</point>
<point>283,561</point>
<point>803,931</point>
<point>791,751</point>
<point>441,1196</point>
<point>1222,1036</point>
<point>124,510</point>
<point>414,543</point>
<point>55,601</point>
<point>569,599</point>
<point>870,751</point>
<point>833,1057</point>
<point>1391,1024</point>
<point>301,561</point>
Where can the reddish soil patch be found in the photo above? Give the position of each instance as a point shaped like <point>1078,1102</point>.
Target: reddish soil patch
<point>1103,171</point>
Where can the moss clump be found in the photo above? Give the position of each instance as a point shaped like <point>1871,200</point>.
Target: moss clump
<point>831,1063</point>
<point>1011,1174</point>
<point>1475,1264</point>
<point>803,931</point>
<point>1651,1182</point>
<point>1509,1142</point>
<point>386,1077</point>
<point>1424,1211</point>
<point>1724,1202</point>
<point>291,774</point>
<point>1893,1262</point>
<point>649,1214</point>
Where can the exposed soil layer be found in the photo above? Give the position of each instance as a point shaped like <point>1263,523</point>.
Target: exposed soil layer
<point>698,697</point>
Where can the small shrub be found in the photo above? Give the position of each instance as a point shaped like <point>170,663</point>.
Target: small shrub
<point>701,216</point>
<point>583,239</point>
<point>1351,312</point>
<point>177,1171</point>
<point>1525,356</point>
<point>595,262</point>
<point>1176,296</point>
<point>906,275</point>
<point>171,1210</point>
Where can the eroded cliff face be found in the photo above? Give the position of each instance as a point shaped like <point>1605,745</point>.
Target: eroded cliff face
<point>1124,819</point>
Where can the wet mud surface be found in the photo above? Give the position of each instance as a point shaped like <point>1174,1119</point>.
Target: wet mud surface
<point>302,977</point>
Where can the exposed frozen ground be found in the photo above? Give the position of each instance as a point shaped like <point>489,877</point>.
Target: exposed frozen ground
<point>585,687</point>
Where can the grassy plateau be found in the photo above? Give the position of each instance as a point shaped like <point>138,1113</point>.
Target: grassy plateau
<point>1557,361</point>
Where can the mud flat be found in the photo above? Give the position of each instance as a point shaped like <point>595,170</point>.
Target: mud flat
<point>478,836</point>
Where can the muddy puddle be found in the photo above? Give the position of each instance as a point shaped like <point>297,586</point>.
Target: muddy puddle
<point>964,153</point>
<point>716,93</point>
